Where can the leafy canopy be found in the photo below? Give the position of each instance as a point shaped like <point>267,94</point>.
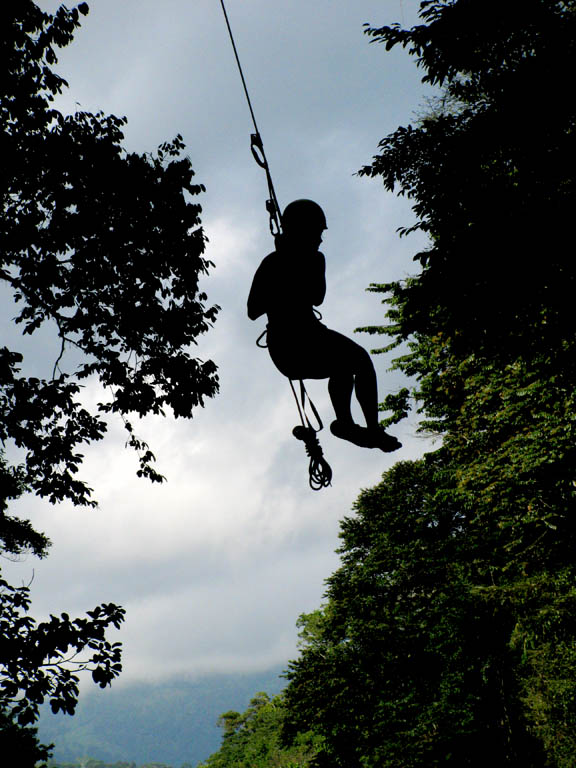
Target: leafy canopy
<point>425,653</point>
<point>448,636</point>
<point>104,248</point>
<point>102,245</point>
<point>252,739</point>
<point>39,661</point>
<point>488,321</point>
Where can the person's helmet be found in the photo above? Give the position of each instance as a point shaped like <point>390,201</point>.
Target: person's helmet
<point>303,214</point>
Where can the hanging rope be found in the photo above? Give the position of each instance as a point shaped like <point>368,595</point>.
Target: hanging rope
<point>256,144</point>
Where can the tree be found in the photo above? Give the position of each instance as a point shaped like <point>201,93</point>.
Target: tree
<point>425,653</point>
<point>491,330</point>
<point>40,661</point>
<point>252,739</point>
<point>16,535</point>
<point>103,245</point>
<point>23,742</point>
<point>449,633</point>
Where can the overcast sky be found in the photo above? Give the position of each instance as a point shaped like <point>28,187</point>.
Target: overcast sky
<point>214,566</point>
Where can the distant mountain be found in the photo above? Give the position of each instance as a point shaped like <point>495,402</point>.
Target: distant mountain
<point>171,723</point>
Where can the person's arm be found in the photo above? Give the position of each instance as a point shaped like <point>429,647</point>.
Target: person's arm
<point>257,295</point>
<point>318,283</point>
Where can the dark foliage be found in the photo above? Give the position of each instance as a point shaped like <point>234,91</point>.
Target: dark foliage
<point>425,653</point>
<point>103,245</point>
<point>39,661</point>
<point>21,743</point>
<point>448,637</point>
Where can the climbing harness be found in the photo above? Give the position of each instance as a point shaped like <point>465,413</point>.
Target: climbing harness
<point>320,472</point>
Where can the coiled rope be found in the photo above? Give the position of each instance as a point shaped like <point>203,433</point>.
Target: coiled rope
<point>319,471</point>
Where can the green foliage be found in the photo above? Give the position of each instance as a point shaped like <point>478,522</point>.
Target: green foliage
<point>91,763</point>
<point>252,739</point>
<point>104,246</point>
<point>428,654</point>
<point>448,637</point>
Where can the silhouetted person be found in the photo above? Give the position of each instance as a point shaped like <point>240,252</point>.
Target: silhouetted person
<point>287,286</point>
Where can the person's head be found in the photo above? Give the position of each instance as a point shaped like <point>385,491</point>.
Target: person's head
<point>304,220</point>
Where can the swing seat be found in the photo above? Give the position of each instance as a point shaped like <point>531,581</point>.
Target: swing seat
<point>364,437</point>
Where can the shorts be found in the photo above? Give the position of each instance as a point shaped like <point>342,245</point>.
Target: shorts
<point>314,352</point>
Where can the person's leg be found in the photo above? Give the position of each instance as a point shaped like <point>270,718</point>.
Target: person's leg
<point>322,354</point>
<point>366,388</point>
<point>355,372</point>
<point>351,371</point>
<point>340,388</point>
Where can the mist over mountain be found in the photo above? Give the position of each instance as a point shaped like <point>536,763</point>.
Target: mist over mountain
<point>172,722</point>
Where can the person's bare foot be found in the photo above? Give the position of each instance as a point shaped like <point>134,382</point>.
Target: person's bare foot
<point>364,437</point>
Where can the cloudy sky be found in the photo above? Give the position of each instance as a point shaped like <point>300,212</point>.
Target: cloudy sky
<point>214,566</point>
